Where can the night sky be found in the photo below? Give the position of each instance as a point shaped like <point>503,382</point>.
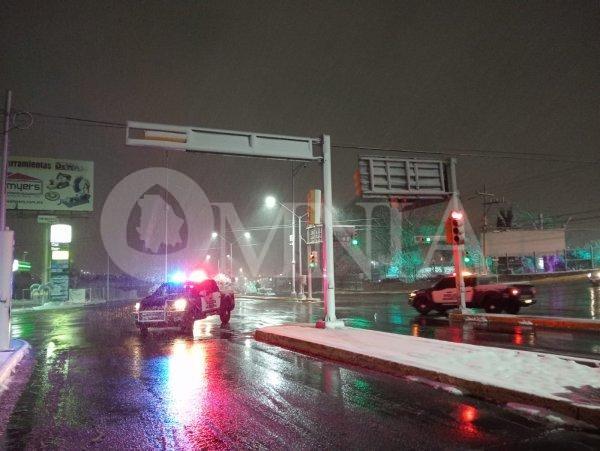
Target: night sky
<point>508,79</point>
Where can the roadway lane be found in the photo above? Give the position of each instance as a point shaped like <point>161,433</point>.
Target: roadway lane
<point>96,383</point>
<point>391,313</point>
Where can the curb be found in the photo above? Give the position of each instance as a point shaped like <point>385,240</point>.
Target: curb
<point>7,367</point>
<point>277,298</point>
<point>477,389</point>
<point>70,305</point>
<point>523,320</point>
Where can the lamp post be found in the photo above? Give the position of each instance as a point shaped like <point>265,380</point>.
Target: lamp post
<point>215,235</point>
<point>271,202</point>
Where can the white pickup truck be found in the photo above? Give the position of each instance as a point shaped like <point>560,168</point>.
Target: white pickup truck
<point>480,292</point>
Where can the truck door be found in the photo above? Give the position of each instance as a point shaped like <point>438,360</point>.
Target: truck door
<point>445,291</point>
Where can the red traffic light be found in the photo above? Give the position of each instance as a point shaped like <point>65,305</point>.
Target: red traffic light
<point>455,228</point>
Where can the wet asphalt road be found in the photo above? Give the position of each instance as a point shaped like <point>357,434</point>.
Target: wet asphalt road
<point>96,383</point>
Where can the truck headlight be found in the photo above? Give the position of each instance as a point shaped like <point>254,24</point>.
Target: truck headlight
<point>137,306</point>
<point>412,294</point>
<point>180,304</point>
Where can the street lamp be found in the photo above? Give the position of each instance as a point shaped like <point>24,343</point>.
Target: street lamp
<point>270,203</point>
<point>215,235</point>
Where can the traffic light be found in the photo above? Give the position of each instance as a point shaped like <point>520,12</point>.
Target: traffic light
<point>357,184</point>
<point>312,259</point>
<point>421,239</point>
<point>467,258</point>
<point>354,239</point>
<point>455,228</point>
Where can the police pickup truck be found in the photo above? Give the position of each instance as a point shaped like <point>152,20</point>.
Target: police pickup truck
<point>179,304</point>
<point>480,292</point>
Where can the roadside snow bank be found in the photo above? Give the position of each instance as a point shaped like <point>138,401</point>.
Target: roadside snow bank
<point>543,375</point>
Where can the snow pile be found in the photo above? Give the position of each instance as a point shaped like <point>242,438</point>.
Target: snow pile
<point>437,385</point>
<point>544,375</point>
<point>10,359</point>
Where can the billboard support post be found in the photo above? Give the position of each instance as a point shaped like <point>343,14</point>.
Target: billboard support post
<point>6,240</point>
<point>6,262</point>
<point>5,160</point>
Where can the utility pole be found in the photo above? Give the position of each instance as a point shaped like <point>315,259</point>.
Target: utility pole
<point>487,200</point>
<point>7,240</point>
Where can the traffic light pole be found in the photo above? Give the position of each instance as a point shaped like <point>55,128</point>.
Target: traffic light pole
<point>457,249</point>
<point>309,272</point>
<point>328,275</point>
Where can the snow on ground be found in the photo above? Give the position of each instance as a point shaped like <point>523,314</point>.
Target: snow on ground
<point>548,415</point>
<point>437,385</point>
<point>544,375</point>
<point>10,359</point>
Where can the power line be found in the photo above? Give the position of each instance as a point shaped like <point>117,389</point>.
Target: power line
<point>79,119</point>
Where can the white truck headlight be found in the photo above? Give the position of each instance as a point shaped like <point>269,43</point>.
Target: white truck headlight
<point>137,306</point>
<point>180,304</point>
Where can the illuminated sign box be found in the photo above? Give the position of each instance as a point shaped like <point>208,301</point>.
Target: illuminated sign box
<point>60,233</point>
<point>60,255</point>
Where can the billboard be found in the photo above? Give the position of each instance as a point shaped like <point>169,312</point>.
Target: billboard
<point>50,184</point>
<point>516,243</point>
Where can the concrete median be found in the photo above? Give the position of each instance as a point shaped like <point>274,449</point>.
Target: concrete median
<point>500,375</point>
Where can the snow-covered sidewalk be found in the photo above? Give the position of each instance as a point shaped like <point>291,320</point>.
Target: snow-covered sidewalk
<point>10,359</point>
<point>546,380</point>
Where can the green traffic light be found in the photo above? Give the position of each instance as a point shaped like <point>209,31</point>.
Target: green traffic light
<point>467,259</point>
<point>354,242</point>
<point>428,239</point>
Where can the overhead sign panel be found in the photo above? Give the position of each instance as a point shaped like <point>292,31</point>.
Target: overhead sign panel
<point>50,184</point>
<point>219,141</point>
<point>383,177</point>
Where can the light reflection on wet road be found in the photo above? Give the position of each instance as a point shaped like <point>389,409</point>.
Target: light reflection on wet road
<point>98,384</point>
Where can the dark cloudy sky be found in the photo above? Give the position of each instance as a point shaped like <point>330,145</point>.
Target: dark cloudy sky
<point>495,76</point>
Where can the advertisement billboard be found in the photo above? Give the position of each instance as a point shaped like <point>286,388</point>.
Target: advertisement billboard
<point>50,184</point>
<point>514,243</point>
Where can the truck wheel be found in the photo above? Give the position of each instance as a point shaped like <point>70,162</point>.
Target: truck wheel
<point>225,314</point>
<point>422,304</point>
<point>493,303</point>
<point>513,307</point>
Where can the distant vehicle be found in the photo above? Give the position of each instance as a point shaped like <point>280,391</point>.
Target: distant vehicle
<point>179,304</point>
<point>594,277</point>
<point>480,292</point>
